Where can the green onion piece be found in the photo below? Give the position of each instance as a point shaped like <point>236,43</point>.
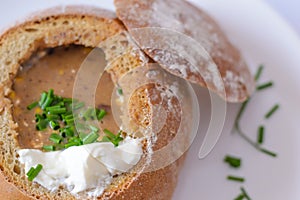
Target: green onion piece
<point>259,72</point>
<point>55,138</point>
<point>93,128</point>
<point>53,107</point>
<point>233,161</point>
<point>54,125</point>
<point>69,131</point>
<point>31,170</point>
<point>51,117</point>
<point>49,99</point>
<point>90,138</point>
<point>70,121</point>
<point>74,141</point>
<point>264,86</point>
<point>270,153</point>
<point>35,172</point>
<point>240,197</point>
<point>49,147</point>
<point>88,113</point>
<point>105,139</point>
<point>55,111</point>
<point>67,100</point>
<point>33,105</point>
<point>65,117</point>
<point>101,114</point>
<point>235,178</point>
<point>38,118</point>
<point>70,144</point>
<point>78,106</point>
<point>41,125</point>
<point>245,193</point>
<point>272,111</point>
<point>260,135</point>
<point>82,135</point>
<point>120,91</point>
<point>43,98</point>
<point>109,134</point>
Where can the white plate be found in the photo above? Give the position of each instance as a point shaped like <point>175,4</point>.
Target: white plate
<point>263,37</point>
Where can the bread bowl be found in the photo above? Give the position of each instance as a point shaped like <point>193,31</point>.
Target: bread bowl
<point>141,186</point>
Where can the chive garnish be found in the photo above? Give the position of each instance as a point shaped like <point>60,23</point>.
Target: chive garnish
<point>51,117</point>
<point>55,138</point>
<point>115,139</point>
<point>34,172</point>
<point>272,111</point>
<point>43,98</point>
<point>93,128</point>
<point>259,72</point>
<point>90,138</point>
<point>54,125</point>
<point>245,193</point>
<point>260,135</point>
<point>233,161</point>
<point>78,106</point>
<point>33,105</point>
<point>101,114</point>
<point>48,147</point>
<point>42,124</point>
<point>264,86</point>
<point>268,152</point>
<point>238,118</point>
<point>120,91</point>
<point>240,197</point>
<point>235,178</point>
<point>55,111</point>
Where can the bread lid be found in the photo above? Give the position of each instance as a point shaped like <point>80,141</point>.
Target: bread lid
<point>185,41</point>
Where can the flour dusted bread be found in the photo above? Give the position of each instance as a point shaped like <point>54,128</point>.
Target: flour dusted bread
<point>188,43</point>
<point>89,27</point>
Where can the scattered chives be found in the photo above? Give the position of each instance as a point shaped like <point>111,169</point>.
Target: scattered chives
<point>245,193</point>
<point>42,124</point>
<point>270,153</point>
<point>235,178</point>
<point>43,98</point>
<point>48,147</point>
<point>54,125</point>
<point>272,111</point>
<point>101,114</point>
<point>57,111</point>
<point>240,197</point>
<point>93,128</point>
<point>260,135</point>
<point>233,161</point>
<point>78,106</point>
<point>264,86</point>
<point>120,91</point>
<point>34,172</point>
<point>33,105</point>
<point>55,138</point>
<point>90,138</point>
<point>259,72</point>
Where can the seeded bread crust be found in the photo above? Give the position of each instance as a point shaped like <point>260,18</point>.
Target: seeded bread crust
<point>90,27</point>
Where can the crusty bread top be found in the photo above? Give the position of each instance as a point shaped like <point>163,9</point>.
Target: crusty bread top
<point>52,30</point>
<point>189,45</point>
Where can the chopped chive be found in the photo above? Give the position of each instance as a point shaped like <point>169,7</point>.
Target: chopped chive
<point>93,128</point>
<point>235,178</point>
<point>48,147</point>
<point>70,121</point>
<point>82,135</point>
<point>55,138</point>
<point>57,111</point>
<point>78,105</point>
<point>90,138</point>
<point>68,116</point>
<point>268,152</point>
<point>75,140</point>
<point>49,99</point>
<point>38,118</point>
<point>109,134</point>
<point>259,72</point>
<point>51,117</point>
<point>31,170</point>
<point>101,114</point>
<point>105,139</point>
<point>54,125</point>
<point>69,131</point>
<point>264,86</point>
<point>35,172</point>
<point>233,161</point>
<point>53,107</point>
<point>245,193</point>
<point>120,91</point>
<point>272,111</point>
<point>71,144</point>
<point>240,197</point>
<point>42,124</point>
<point>33,105</point>
<point>88,113</point>
<point>67,100</point>
<point>260,135</point>
<point>43,98</point>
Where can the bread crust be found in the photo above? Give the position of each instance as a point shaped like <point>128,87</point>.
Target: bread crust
<point>53,28</point>
<point>173,22</point>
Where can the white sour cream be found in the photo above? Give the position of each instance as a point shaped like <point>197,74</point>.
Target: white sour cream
<point>80,168</point>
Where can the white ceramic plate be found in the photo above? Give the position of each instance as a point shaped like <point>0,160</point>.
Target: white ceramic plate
<point>263,37</point>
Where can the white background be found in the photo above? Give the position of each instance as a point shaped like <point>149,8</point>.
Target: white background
<point>289,9</point>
